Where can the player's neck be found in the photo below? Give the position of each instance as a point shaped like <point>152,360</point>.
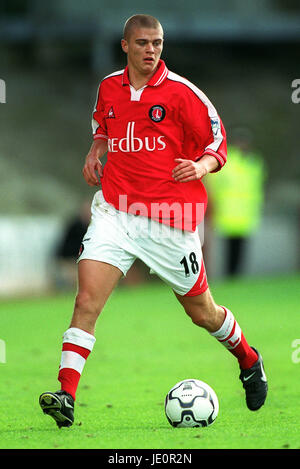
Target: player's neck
<point>137,79</point>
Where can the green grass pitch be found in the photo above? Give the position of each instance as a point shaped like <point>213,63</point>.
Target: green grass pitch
<point>145,344</point>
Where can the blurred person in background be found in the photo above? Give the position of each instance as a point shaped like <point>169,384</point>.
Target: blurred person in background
<point>68,248</point>
<point>162,135</point>
<point>237,197</point>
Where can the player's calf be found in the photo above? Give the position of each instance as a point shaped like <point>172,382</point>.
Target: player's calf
<point>203,311</point>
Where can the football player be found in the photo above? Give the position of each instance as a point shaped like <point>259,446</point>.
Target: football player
<point>162,135</point>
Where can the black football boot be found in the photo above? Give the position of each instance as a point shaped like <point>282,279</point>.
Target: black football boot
<point>60,406</point>
<point>255,383</point>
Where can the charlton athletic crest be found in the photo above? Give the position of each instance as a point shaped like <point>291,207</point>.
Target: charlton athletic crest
<point>157,113</point>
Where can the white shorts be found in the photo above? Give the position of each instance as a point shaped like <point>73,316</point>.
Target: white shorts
<point>119,238</point>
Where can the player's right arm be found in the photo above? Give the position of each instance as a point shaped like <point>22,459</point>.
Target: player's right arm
<point>92,169</point>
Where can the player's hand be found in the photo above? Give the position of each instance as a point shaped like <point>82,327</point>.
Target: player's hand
<point>92,170</point>
<point>188,170</point>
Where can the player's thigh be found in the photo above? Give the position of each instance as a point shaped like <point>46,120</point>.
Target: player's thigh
<point>176,257</point>
<point>106,238</point>
<point>96,281</point>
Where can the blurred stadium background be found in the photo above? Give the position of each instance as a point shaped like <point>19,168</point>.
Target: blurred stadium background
<point>243,54</point>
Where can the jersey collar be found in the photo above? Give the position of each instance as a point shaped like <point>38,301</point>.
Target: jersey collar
<point>159,76</point>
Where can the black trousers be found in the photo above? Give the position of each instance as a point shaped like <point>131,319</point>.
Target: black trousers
<point>235,255</point>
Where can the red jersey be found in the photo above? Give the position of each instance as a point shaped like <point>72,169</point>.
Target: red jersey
<point>146,130</point>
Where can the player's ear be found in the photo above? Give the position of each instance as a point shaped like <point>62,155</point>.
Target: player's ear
<point>124,45</point>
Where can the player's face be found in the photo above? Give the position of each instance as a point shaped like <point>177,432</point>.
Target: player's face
<point>143,49</point>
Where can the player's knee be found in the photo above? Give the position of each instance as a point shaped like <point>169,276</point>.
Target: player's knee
<point>85,304</point>
<point>199,316</point>
<point>210,318</point>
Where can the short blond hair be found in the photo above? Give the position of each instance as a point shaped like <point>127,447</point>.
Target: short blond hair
<point>140,21</point>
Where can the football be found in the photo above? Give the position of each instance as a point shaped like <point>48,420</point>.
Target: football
<point>191,403</point>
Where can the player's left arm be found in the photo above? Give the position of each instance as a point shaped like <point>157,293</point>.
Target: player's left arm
<point>204,127</point>
<point>189,170</point>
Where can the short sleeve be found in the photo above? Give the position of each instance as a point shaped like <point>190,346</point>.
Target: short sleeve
<point>203,128</point>
<point>98,118</point>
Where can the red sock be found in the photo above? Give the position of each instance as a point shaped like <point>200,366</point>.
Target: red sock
<point>231,336</point>
<point>244,353</point>
<point>77,345</point>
